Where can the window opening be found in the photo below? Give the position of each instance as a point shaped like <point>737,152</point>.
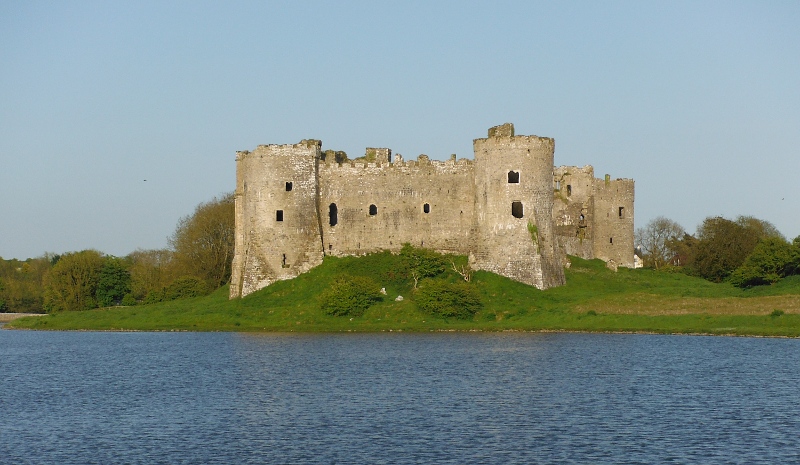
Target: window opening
<point>283,261</point>
<point>330,247</point>
<point>622,212</point>
<point>373,210</point>
<point>333,214</point>
<point>279,215</point>
<point>426,208</point>
<point>516,209</point>
<point>288,186</point>
<point>569,190</point>
<point>513,177</point>
<point>610,240</point>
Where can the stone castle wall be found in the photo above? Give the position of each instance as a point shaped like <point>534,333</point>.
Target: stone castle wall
<point>508,210</point>
<point>593,217</point>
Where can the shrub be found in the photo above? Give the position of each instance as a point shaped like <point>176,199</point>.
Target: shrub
<point>128,300</point>
<point>776,312</point>
<point>447,300</point>
<point>350,296</point>
<point>422,263</point>
<point>186,286</point>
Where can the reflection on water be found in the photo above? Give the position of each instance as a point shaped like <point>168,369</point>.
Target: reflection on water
<point>396,398</point>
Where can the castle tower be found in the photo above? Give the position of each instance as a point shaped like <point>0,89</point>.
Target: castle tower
<point>613,221</point>
<point>278,234</point>
<point>513,232</point>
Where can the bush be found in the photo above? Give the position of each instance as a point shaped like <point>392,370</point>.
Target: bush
<point>776,312</point>
<point>186,286</point>
<point>447,300</point>
<point>350,296</point>
<point>422,263</point>
<point>128,300</point>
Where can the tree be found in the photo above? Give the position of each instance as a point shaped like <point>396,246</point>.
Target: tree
<point>151,271</point>
<point>722,246</point>
<point>72,282</point>
<point>656,239</point>
<point>113,282</point>
<point>22,289</point>
<point>768,263</point>
<point>762,228</point>
<point>421,263</point>
<point>203,242</point>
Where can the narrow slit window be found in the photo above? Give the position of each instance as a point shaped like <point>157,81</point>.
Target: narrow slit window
<point>333,214</point>
<point>426,208</point>
<point>610,240</point>
<point>283,261</point>
<point>373,210</point>
<point>516,210</point>
<point>288,186</point>
<point>622,212</point>
<point>513,177</point>
<point>569,190</point>
<point>279,215</point>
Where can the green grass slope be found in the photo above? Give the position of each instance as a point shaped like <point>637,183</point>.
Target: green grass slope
<point>594,299</point>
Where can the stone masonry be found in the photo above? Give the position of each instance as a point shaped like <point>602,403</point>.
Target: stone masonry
<point>509,210</point>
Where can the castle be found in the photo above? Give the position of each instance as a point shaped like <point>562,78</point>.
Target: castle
<point>510,210</point>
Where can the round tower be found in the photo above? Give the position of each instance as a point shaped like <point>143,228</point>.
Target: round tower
<point>278,235</point>
<point>513,230</point>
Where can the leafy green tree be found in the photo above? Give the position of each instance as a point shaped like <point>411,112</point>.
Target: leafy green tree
<point>655,239</point>
<point>203,242</point>
<point>722,247</point>
<point>446,299</point>
<point>350,296</point>
<point>768,263</point>
<point>23,284</point>
<point>72,282</point>
<point>114,281</point>
<point>422,263</point>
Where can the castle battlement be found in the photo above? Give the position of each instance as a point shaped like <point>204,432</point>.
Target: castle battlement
<point>296,203</point>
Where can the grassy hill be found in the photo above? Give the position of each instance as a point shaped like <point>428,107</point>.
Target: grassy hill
<point>594,299</point>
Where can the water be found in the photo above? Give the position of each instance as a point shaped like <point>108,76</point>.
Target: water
<point>84,398</point>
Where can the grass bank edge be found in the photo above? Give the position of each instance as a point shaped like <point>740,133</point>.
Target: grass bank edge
<point>293,306</point>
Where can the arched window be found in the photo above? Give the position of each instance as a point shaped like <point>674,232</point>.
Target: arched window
<point>333,214</point>
<point>426,208</point>
<point>373,210</point>
<point>288,186</point>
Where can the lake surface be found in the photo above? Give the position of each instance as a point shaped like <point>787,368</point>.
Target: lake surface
<point>444,398</point>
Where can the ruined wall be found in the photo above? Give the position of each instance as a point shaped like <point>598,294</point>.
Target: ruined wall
<point>277,228</point>
<point>613,221</point>
<point>509,209</point>
<point>573,209</point>
<point>367,207</point>
<point>513,225</point>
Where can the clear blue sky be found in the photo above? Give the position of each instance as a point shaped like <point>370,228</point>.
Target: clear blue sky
<point>699,102</point>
